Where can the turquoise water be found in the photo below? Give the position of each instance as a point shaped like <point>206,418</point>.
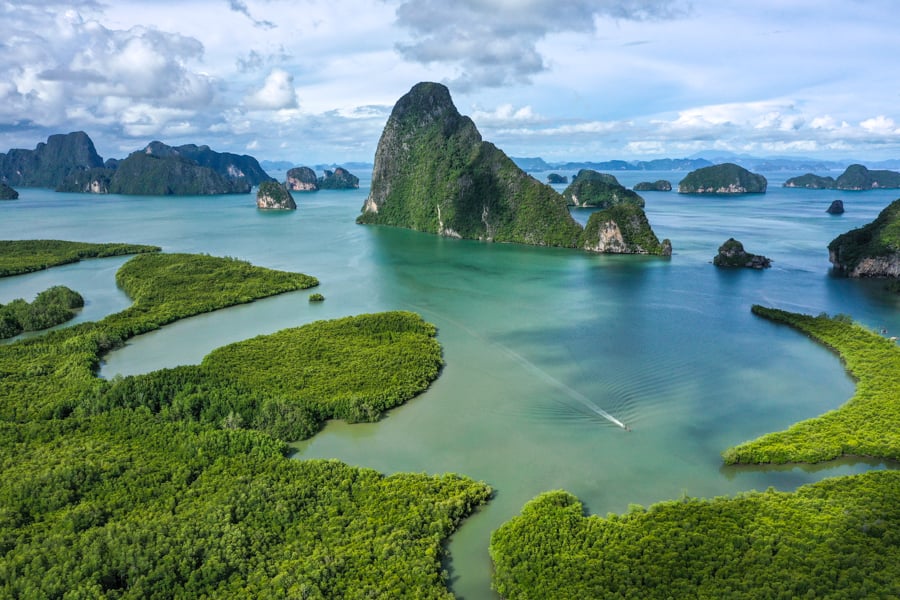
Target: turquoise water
<point>535,340</point>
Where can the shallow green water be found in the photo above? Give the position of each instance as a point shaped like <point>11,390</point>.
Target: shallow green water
<point>535,340</point>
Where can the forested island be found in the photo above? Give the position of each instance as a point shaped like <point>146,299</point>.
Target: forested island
<point>177,483</point>
<point>872,250</point>
<point>601,190</point>
<point>434,173</point>
<point>854,178</point>
<point>726,178</point>
<point>70,163</point>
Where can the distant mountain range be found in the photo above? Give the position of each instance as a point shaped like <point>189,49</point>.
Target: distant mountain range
<point>698,161</point>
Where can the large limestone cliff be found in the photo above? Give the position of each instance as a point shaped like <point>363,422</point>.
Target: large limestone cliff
<point>302,179</point>
<point>623,229</point>
<point>872,250</point>
<point>274,196</point>
<point>434,173</point>
<point>726,178</point>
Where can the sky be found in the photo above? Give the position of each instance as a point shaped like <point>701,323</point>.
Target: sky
<point>314,81</point>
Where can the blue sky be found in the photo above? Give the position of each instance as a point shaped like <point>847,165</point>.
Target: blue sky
<point>313,81</point>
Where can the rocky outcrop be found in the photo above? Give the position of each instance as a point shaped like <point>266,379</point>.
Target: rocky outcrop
<point>732,254</point>
<point>854,178</point>
<point>302,179</point>
<point>836,208</point>
<point>91,181</point>
<point>273,195</point>
<point>49,163</point>
<point>553,178</point>
<point>726,178</point>
<point>592,189</point>
<point>622,229</point>
<point>339,179</point>
<point>872,250</point>
<point>434,173</point>
<point>660,185</point>
<point>7,193</point>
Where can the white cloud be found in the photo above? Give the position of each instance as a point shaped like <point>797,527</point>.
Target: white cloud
<point>277,92</point>
<point>879,125</point>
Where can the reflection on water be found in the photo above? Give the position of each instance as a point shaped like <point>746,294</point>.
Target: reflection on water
<point>536,341</point>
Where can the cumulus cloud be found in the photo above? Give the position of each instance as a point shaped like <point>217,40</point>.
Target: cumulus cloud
<point>493,43</point>
<point>277,93</point>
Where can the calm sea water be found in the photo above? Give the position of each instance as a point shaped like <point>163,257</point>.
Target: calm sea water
<point>535,340</point>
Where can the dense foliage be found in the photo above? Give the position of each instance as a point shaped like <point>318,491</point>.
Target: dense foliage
<point>150,175</point>
<point>434,173</point>
<point>121,499</point>
<point>288,383</point>
<point>811,181</point>
<point>868,424</point>
<point>25,256</point>
<point>601,190</point>
<point>854,177</point>
<point>316,297</point>
<point>834,539</point>
<point>622,228</point>
<point>51,307</point>
<point>557,178</point>
<point>881,237</point>
<point>726,178</point>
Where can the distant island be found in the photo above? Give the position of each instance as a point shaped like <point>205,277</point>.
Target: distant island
<point>302,179</point>
<point>661,164</point>
<point>726,178</point>
<point>434,173</point>
<point>557,178</point>
<point>602,190</point>
<point>660,185</point>
<point>854,178</point>
<point>70,163</point>
<point>872,250</point>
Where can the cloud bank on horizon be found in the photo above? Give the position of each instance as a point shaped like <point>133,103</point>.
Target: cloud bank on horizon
<point>314,81</point>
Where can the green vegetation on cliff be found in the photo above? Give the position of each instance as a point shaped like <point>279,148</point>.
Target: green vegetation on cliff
<point>726,178</point>
<point>811,181</point>
<point>854,178</point>
<point>867,425</point>
<point>660,185</point>
<point>732,254</point>
<point>274,195</point>
<point>26,256</point>
<point>339,179</point>
<point>49,163</point>
<point>878,239</point>
<point>622,229</point>
<point>434,173</point>
<point>51,307</point>
<point>146,174</point>
<point>601,190</point>
<point>834,539</point>
<point>114,499</point>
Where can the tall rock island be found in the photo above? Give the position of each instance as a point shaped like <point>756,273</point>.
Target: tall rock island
<point>434,173</point>
<point>872,250</point>
<point>601,190</point>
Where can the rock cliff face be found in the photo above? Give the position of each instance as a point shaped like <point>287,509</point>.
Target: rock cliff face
<point>273,195</point>
<point>622,229</point>
<point>660,185</point>
<point>7,193</point>
<point>434,173</point>
<point>727,178</point>
<point>339,179</point>
<point>302,179</point>
<point>91,181</point>
<point>872,250</point>
<point>590,188</point>
<point>49,163</point>
<point>732,254</point>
